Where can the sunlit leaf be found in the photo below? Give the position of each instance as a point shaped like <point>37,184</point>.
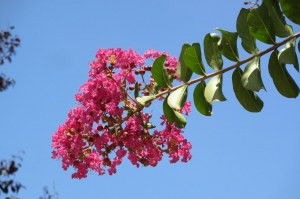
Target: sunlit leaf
<point>261,25</point>
<point>213,90</point>
<point>288,55</point>
<point>180,120</point>
<point>183,71</point>
<point>159,73</point>
<point>155,88</point>
<point>212,53</point>
<point>144,100</point>
<point>173,116</point>
<point>291,8</point>
<point>283,81</point>
<point>178,97</point>
<point>192,58</point>
<point>202,105</point>
<point>228,44</point>
<point>248,99</point>
<point>251,78</point>
<point>168,112</point>
<point>248,42</point>
<point>280,27</point>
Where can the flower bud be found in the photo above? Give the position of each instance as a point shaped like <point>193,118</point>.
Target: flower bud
<point>148,68</point>
<point>142,71</point>
<point>131,88</point>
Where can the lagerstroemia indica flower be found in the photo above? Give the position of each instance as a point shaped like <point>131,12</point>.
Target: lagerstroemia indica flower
<point>109,124</point>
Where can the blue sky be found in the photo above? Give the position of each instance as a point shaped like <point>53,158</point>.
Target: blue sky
<point>236,154</point>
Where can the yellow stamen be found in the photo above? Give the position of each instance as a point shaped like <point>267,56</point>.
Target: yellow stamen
<point>112,59</point>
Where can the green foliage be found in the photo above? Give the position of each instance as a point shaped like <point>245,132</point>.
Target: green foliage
<point>213,90</point>
<point>192,58</point>
<point>291,9</point>
<point>288,55</point>
<point>173,116</point>
<point>212,53</point>
<point>202,105</point>
<point>248,42</point>
<point>248,99</point>
<point>183,71</point>
<point>228,45</point>
<point>136,89</point>
<point>263,23</point>
<point>260,25</point>
<point>177,98</point>
<point>251,78</point>
<point>148,125</point>
<point>144,100</point>
<point>159,73</point>
<point>283,81</point>
<point>281,29</point>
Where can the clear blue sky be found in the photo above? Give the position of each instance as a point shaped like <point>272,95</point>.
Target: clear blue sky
<point>236,154</point>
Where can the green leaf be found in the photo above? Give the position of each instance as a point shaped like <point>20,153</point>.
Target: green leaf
<point>183,71</point>
<point>144,100</point>
<point>168,112</point>
<point>202,105</point>
<point>283,81</point>
<point>173,116</point>
<point>248,42</point>
<point>212,53</point>
<point>148,125</point>
<point>159,73</point>
<point>248,99</point>
<point>291,8</point>
<point>180,120</point>
<point>198,52</point>
<point>280,27</point>
<point>192,58</point>
<point>178,97</point>
<point>213,91</point>
<point>261,25</point>
<point>288,55</point>
<point>155,88</point>
<point>299,46</point>
<point>228,45</point>
<point>136,89</point>
<point>251,78</point>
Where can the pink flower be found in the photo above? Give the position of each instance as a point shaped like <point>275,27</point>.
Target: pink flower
<point>130,78</point>
<point>121,153</point>
<point>106,127</point>
<point>186,108</point>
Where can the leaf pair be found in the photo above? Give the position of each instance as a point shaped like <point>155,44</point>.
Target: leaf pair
<point>190,60</point>
<point>205,94</point>
<point>214,47</point>
<point>283,81</point>
<point>173,116</point>
<point>246,83</point>
<point>247,98</point>
<point>263,23</point>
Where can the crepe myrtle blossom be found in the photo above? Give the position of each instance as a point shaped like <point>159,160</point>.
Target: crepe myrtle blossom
<point>109,124</point>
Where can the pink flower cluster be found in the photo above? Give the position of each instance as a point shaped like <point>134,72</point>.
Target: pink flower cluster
<point>109,124</point>
<point>171,62</point>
